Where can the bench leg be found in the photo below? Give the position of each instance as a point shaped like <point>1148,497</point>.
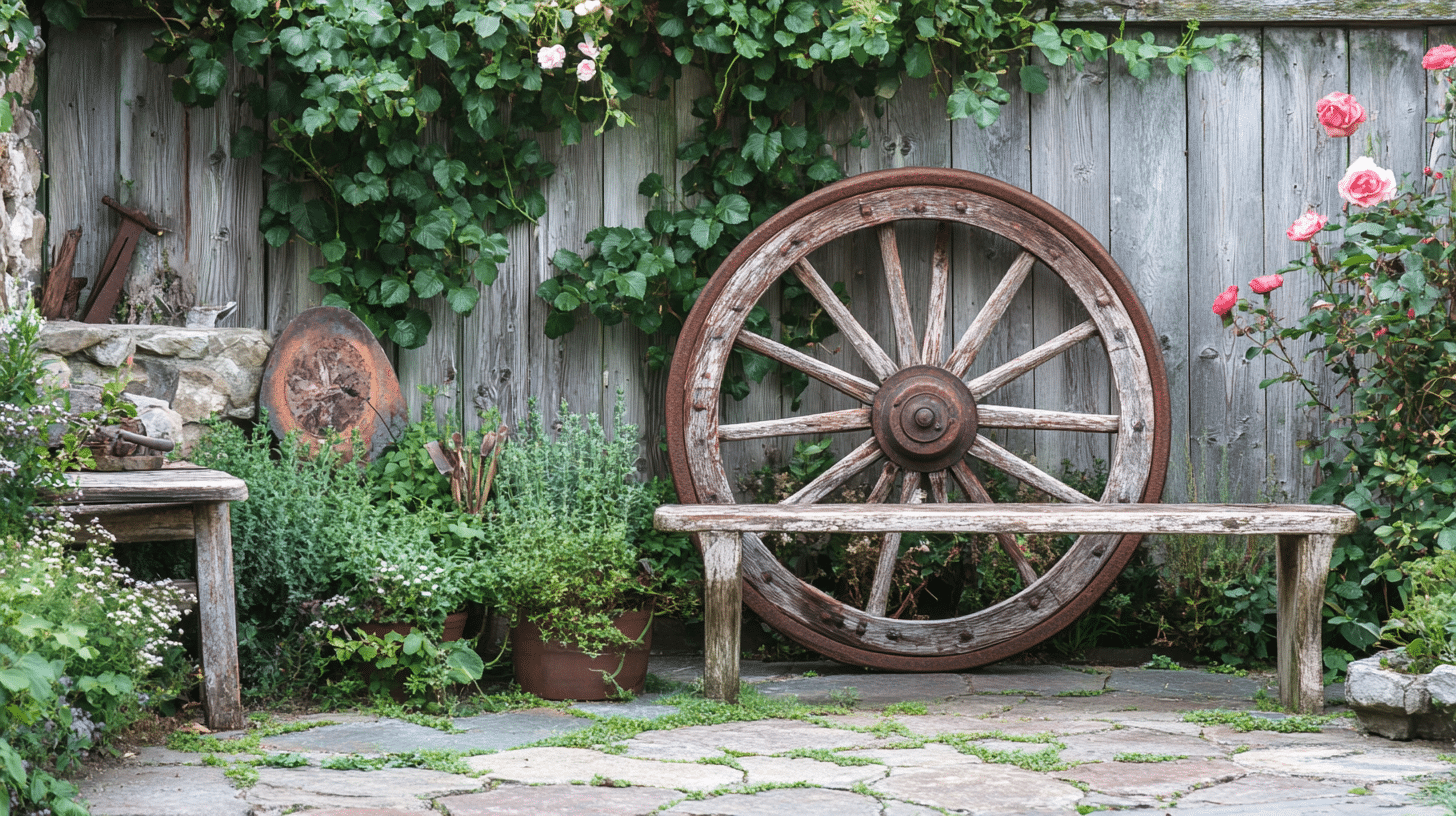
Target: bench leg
<point>1303,562</point>
<point>217,613</point>
<point>722,614</point>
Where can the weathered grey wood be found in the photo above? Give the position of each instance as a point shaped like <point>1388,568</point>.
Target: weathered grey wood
<point>910,493</point>
<point>575,372</point>
<point>1251,11</point>
<point>1387,78</point>
<point>853,419</point>
<point>1001,416</point>
<point>1226,453</point>
<point>1031,360</point>
<point>976,492</point>
<point>434,364</point>
<point>722,608</point>
<point>170,484</point>
<point>862,390</point>
<point>217,617</point>
<point>869,350</point>
<point>1442,150</point>
<point>904,325</point>
<point>140,522</point>
<point>1302,564</point>
<point>1029,474</point>
<point>840,472</point>
<point>936,317</point>
<point>991,312</point>
<point>1176,519</point>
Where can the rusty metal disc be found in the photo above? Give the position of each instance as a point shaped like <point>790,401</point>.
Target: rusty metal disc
<point>328,373</point>
<point>924,418</point>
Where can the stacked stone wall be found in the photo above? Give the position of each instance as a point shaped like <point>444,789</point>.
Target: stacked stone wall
<point>22,226</point>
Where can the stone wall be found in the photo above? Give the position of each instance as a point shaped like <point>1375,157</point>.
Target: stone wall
<point>178,377</point>
<point>22,226</point>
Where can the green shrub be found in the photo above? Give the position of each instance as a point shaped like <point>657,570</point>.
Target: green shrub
<point>1426,627</point>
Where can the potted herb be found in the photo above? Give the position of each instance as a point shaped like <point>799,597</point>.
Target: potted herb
<point>564,553</point>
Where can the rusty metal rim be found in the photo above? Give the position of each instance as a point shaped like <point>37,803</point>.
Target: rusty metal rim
<point>679,399</point>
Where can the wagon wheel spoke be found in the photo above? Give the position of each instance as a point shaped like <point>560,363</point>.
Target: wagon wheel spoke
<point>910,493</point>
<point>1003,416</point>
<point>853,419</point>
<point>870,351</point>
<point>899,301</point>
<point>1051,349</point>
<point>884,484</point>
<point>840,472</point>
<point>938,491</point>
<point>977,493</point>
<point>976,334</point>
<point>1027,473</point>
<point>860,389</point>
<point>939,295</point>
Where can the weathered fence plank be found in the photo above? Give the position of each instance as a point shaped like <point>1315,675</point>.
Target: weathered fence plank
<point>1251,11</point>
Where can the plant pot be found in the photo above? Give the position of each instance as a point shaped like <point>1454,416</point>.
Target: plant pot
<point>1402,706</point>
<point>454,629</point>
<point>556,671</point>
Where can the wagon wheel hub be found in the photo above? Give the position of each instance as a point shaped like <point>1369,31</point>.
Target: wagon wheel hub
<point>924,418</point>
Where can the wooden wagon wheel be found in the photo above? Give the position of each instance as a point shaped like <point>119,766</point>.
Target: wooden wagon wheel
<point>921,416</point>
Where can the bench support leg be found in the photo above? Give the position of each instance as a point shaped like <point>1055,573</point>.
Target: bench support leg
<point>722,614</point>
<point>217,610</point>
<point>1303,562</point>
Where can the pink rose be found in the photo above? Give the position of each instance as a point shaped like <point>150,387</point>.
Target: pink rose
<point>585,70</point>
<point>551,57</point>
<point>1340,114</point>
<point>1306,226</point>
<point>1366,185</point>
<point>1265,284</point>
<point>1224,303</point>
<point>1439,58</point>
<point>588,50</point>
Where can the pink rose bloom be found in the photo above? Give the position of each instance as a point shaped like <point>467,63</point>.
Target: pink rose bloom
<point>1306,226</point>
<point>588,50</point>
<point>1224,303</point>
<point>1340,114</point>
<point>585,70</point>
<point>1439,58</point>
<point>551,57</point>
<point>1366,185</point>
<point>586,7</point>
<point>1266,283</point>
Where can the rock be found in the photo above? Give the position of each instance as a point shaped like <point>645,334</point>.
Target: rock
<point>84,398</point>
<point>487,732</point>
<point>1441,685</point>
<point>201,393</point>
<point>761,737</point>
<point>290,789</point>
<point>1362,767</point>
<point>523,800</point>
<point>786,771</point>
<point>874,690</point>
<point>246,347</point>
<point>783,802</point>
<point>1103,746</point>
<point>1046,680</point>
<point>560,766</point>
<point>172,790</point>
<point>1155,778</point>
<point>159,420</point>
<point>980,788</point>
<point>65,337</point>
<point>57,371</point>
<point>112,351</point>
<point>1373,688</point>
<point>180,343</point>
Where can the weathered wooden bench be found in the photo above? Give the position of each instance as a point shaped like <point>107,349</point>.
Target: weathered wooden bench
<point>180,501</point>
<point>1306,538</point>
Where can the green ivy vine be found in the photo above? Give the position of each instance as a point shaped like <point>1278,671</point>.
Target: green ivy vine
<point>401,138</point>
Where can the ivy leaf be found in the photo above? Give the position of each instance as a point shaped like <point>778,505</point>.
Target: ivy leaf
<point>246,142</point>
<point>393,291</point>
<point>763,149</point>
<point>1033,79</point>
<point>733,209</point>
<point>295,40</point>
<point>702,232</point>
<point>462,299</point>
<point>825,170</point>
<point>333,251</point>
<point>412,330</point>
<point>208,76</point>
<point>428,283</point>
<point>633,285</point>
<point>313,119</point>
<point>918,62</point>
<point>485,270</point>
<point>277,236</point>
<point>62,13</point>
<point>755,366</point>
<point>427,99</point>
<point>799,18</point>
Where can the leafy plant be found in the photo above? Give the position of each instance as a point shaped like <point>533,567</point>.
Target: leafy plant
<point>413,662</point>
<point>27,408</point>
<point>1426,627</point>
<point>1382,321</point>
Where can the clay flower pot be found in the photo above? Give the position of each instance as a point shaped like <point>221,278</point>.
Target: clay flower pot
<point>556,671</point>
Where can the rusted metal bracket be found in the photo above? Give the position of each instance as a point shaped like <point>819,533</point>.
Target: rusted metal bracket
<point>106,289</point>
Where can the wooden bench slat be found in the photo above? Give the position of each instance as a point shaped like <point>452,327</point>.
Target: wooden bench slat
<point>165,485</point>
<point>1216,519</point>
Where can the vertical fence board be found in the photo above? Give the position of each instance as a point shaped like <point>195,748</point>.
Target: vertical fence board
<point>81,139</point>
<point>1387,78</point>
<point>1301,168</point>
<point>579,177</point>
<point>1226,445</point>
<point>1439,152</point>
<point>1149,225</point>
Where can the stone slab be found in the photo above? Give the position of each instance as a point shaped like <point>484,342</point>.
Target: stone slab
<point>783,802</point>
<point>1042,681</point>
<point>1167,726</point>
<point>645,707</point>
<point>1186,684</point>
<point>1006,724</point>
<point>487,732</point>
<point>1103,746</point>
<point>980,788</point>
<point>763,737</point>
<point>1358,767</point>
<point>539,800</point>
<point>1255,789</point>
<point>786,771</point>
<point>309,787</point>
<point>934,755</point>
<point>562,766</point>
<point>1153,778</point>
<point>872,690</point>
<point>176,790</point>
<point>893,808</point>
<point>1353,806</point>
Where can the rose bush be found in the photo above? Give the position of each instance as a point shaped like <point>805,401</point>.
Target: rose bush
<point>1340,114</point>
<point>1382,319</point>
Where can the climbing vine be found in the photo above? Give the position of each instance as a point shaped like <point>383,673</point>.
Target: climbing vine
<point>402,137</point>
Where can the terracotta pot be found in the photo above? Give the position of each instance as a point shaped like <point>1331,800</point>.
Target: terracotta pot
<point>454,628</point>
<point>555,671</point>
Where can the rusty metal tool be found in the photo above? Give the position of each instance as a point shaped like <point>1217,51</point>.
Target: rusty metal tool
<point>106,289</point>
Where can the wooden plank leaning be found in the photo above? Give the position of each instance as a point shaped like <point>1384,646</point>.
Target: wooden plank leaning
<point>1306,537</point>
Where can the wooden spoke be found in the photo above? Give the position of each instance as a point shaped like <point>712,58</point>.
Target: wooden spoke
<point>870,351</point>
<point>899,301</point>
<point>885,483</point>
<point>1029,474</point>
<point>853,419</point>
<point>939,295</point>
<point>977,493</point>
<point>910,493</point>
<point>1005,373</point>
<point>842,471</point>
<point>979,331</point>
<point>938,492</point>
<point>1002,416</point>
<point>862,390</point>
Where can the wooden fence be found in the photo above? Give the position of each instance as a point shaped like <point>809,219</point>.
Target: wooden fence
<point>1190,184</point>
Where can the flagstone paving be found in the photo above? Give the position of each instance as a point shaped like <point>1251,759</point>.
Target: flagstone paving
<point>998,740</point>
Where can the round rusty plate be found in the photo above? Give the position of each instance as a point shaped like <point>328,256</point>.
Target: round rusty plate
<point>327,372</point>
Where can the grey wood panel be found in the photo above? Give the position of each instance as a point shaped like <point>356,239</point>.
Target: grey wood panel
<point>1301,168</point>
<point>1439,151</point>
<point>1070,155</point>
<point>287,289</point>
<point>1226,450</point>
<point>575,208</point>
<point>81,140</point>
<point>1251,11</point>
<point>1149,225</point>
<point>1387,79</point>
